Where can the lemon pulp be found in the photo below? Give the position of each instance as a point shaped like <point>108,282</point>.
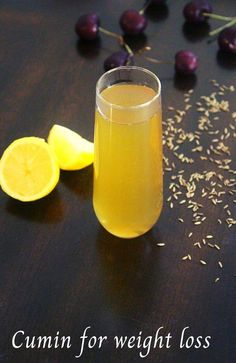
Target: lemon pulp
<point>28,169</point>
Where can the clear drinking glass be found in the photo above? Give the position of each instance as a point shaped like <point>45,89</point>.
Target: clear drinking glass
<point>128,177</point>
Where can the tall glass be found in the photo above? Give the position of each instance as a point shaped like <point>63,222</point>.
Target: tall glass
<point>128,181</point>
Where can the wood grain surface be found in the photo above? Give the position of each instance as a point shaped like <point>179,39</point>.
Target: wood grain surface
<point>59,269</point>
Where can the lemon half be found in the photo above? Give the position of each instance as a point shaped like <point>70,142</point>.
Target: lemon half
<point>29,169</point>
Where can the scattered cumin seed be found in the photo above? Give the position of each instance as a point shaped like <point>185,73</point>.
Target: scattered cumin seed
<point>211,245</point>
<point>203,262</point>
<point>220,264</point>
<point>217,184</point>
<point>217,279</point>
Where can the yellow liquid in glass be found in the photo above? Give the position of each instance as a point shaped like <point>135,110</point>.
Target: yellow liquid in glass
<point>128,183</point>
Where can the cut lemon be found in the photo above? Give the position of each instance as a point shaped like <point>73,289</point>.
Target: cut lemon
<point>29,169</point>
<point>72,150</point>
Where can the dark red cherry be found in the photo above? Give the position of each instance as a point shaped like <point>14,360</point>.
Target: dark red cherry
<point>116,59</point>
<point>132,22</point>
<point>227,40</point>
<point>193,11</point>
<point>87,26</point>
<point>186,62</point>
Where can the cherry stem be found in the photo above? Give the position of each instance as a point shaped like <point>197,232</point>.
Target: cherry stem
<point>216,31</point>
<point>146,5</point>
<point>154,60</point>
<point>119,38</point>
<point>231,20</point>
<point>114,35</point>
<point>218,17</point>
<point>129,50</point>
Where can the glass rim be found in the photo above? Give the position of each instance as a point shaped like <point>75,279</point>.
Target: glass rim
<point>119,107</point>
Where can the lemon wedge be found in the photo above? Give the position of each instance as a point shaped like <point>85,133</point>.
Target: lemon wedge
<point>29,169</point>
<point>72,150</point>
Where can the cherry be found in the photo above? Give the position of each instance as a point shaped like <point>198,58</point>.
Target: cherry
<point>87,26</point>
<point>116,59</point>
<point>227,40</point>
<point>186,62</point>
<point>132,22</point>
<point>193,11</point>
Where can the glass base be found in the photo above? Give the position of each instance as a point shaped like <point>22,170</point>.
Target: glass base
<point>126,231</point>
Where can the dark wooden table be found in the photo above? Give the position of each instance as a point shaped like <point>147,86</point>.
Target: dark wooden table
<point>60,271</point>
